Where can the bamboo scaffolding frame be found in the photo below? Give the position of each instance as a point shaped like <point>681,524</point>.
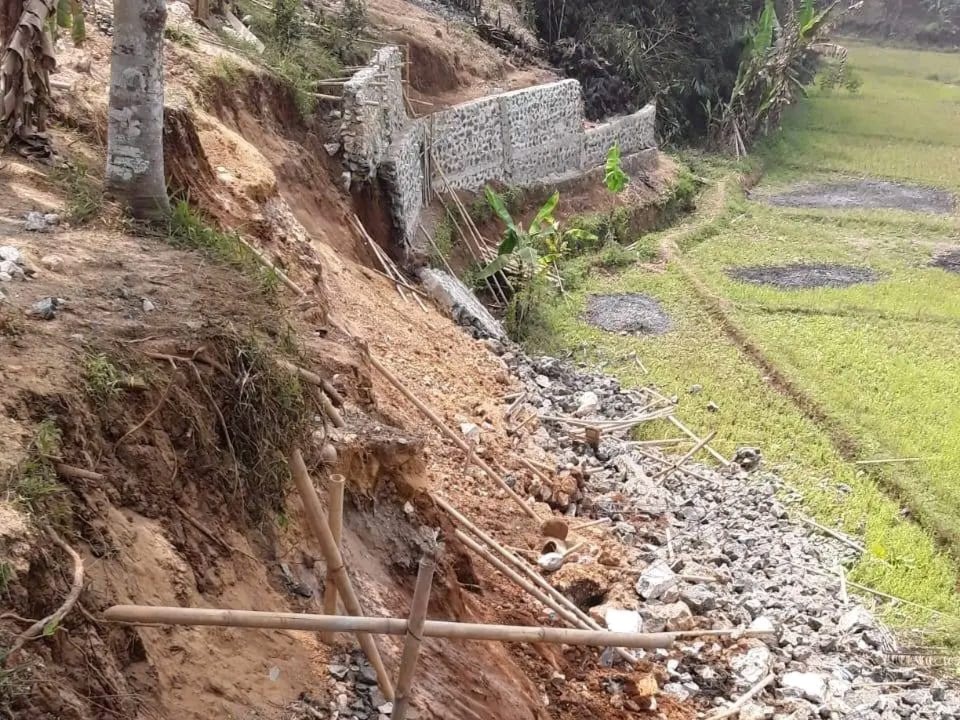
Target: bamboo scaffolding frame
<point>218,617</point>
<point>450,434</point>
<point>411,645</point>
<point>513,575</point>
<point>335,488</point>
<point>562,600</point>
<point>321,529</point>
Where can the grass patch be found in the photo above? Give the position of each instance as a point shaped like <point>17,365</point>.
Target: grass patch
<point>102,378</point>
<point>176,33</point>
<point>189,229</point>
<point>33,486</point>
<point>84,192</point>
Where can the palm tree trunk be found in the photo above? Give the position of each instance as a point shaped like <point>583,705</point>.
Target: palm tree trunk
<point>135,121</point>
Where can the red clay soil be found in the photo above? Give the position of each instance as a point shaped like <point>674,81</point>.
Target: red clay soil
<point>172,523</point>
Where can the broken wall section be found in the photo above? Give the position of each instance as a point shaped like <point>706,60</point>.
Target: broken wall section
<point>520,138</point>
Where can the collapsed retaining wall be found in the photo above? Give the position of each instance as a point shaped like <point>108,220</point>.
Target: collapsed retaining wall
<point>519,138</point>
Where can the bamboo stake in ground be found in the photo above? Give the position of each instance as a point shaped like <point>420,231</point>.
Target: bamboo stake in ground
<point>335,487</point>
<point>318,524</point>
<point>411,645</point>
<point>456,439</point>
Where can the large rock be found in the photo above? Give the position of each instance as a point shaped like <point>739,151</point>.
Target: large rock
<point>807,685</point>
<point>752,665</point>
<point>672,617</point>
<point>655,581</point>
<point>462,305</point>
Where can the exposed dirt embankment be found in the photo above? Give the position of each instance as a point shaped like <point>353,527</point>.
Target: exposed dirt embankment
<point>147,422</point>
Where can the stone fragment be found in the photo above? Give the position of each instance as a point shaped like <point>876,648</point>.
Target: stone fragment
<point>751,666</point>
<point>622,620</point>
<point>699,598</point>
<point>807,685</point>
<point>53,263</point>
<point>672,617</point>
<point>655,581</point>
<point>588,404</point>
<point>10,253</point>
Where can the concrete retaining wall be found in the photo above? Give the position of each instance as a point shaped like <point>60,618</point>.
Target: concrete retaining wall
<point>523,137</point>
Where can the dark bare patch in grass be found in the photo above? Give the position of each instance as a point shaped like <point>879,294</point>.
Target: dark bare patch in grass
<point>867,195</point>
<point>627,312</point>
<point>949,261</point>
<point>799,276</point>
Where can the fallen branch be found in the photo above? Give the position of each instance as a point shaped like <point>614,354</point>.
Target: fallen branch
<point>735,706</point>
<point>48,625</point>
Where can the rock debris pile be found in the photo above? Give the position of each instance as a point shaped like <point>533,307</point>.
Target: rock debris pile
<point>703,549</point>
<point>354,694</point>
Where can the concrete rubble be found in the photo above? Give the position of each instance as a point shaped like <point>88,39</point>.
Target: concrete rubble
<point>720,550</point>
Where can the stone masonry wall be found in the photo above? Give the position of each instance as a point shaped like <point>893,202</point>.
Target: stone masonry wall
<point>372,112</point>
<point>520,138</point>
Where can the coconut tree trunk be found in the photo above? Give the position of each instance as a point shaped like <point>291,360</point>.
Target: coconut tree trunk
<point>135,121</point>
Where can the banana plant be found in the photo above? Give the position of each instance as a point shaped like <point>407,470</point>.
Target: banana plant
<point>530,251</point>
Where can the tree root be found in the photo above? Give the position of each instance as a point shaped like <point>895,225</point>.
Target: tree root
<point>47,625</point>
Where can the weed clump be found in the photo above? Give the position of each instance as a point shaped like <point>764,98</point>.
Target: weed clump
<point>102,377</point>
<point>84,192</point>
<point>188,229</point>
<point>33,485</point>
<point>266,411</point>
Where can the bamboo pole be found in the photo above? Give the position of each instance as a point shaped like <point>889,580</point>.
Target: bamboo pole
<point>335,487</point>
<point>212,617</point>
<point>689,454</point>
<point>313,379</point>
<point>456,439</point>
<point>690,434</point>
<point>559,598</point>
<point>734,707</point>
<point>318,524</point>
<point>273,268</point>
<point>515,576</point>
<point>411,645</point>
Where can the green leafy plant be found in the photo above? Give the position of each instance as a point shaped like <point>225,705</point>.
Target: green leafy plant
<point>103,378</point>
<point>529,252</point>
<point>614,177</point>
